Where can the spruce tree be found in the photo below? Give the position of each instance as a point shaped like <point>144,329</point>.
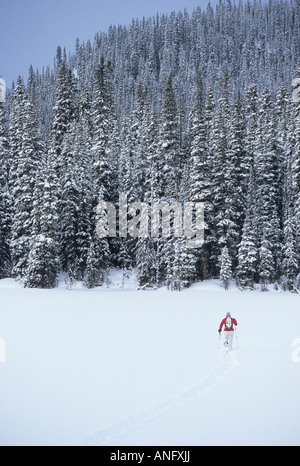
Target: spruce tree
<point>199,180</point>
<point>145,263</point>
<point>103,123</point>
<point>69,206</point>
<point>290,263</point>
<point>43,260</point>
<point>169,145</point>
<point>82,161</point>
<point>169,187</point>
<point>267,187</point>
<point>92,273</point>
<point>64,114</point>
<point>225,263</point>
<point>295,166</point>
<point>224,180</point>
<point>5,199</point>
<point>266,262</point>
<point>248,247</point>
<point>103,164</point>
<point>27,155</point>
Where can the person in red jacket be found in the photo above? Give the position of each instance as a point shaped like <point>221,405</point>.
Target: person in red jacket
<point>228,322</point>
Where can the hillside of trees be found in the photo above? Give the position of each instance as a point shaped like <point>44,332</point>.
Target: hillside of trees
<point>176,107</point>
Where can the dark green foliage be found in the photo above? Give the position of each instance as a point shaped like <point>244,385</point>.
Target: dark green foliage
<point>175,108</point>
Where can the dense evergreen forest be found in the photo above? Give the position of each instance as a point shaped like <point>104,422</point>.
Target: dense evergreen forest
<point>201,108</point>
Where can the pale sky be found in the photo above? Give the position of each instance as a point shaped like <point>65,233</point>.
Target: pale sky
<point>31,30</point>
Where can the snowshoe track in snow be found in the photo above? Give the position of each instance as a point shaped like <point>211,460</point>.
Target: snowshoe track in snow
<point>208,383</point>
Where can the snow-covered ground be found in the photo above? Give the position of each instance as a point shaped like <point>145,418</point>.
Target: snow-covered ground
<point>116,366</point>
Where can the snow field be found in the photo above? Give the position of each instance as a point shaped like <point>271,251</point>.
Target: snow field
<point>116,366</point>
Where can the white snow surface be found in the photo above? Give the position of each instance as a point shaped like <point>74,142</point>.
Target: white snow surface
<point>117,366</point>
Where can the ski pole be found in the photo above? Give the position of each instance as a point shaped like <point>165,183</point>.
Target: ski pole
<point>237,343</point>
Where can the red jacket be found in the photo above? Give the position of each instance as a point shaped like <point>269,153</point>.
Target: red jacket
<point>233,322</point>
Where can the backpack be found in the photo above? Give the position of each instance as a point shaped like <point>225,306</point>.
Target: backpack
<point>228,323</point>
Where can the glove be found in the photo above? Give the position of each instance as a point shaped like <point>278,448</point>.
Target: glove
<point>219,331</point>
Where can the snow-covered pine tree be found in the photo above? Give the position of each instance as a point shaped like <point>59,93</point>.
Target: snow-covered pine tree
<point>64,114</point>
<point>127,175</point>
<point>237,158</point>
<point>290,263</point>
<point>184,271</point>
<point>126,169</point>
<point>144,186</point>
<point>93,276</point>
<point>199,180</point>
<point>196,188</point>
<point>295,156</point>
<point>210,247</point>
<point>225,264</point>
<point>152,179</point>
<point>290,249</point>
<point>142,118</point>
<point>104,180</point>
<point>169,165</point>
<point>69,203</point>
<point>200,164</point>
<point>152,188</point>
<point>169,145</point>
<point>27,153</point>
<point>224,179</point>
<point>247,255</point>
<point>267,184</point>
<point>5,199</point>
<point>145,263</point>
<point>251,117</point>
<point>283,124</point>
<point>103,124</point>
<point>83,167</point>
<point>248,247</point>
<point>266,261</point>
<point>60,145</point>
<point>99,257</point>
<point>76,200</point>
<point>43,260</point>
